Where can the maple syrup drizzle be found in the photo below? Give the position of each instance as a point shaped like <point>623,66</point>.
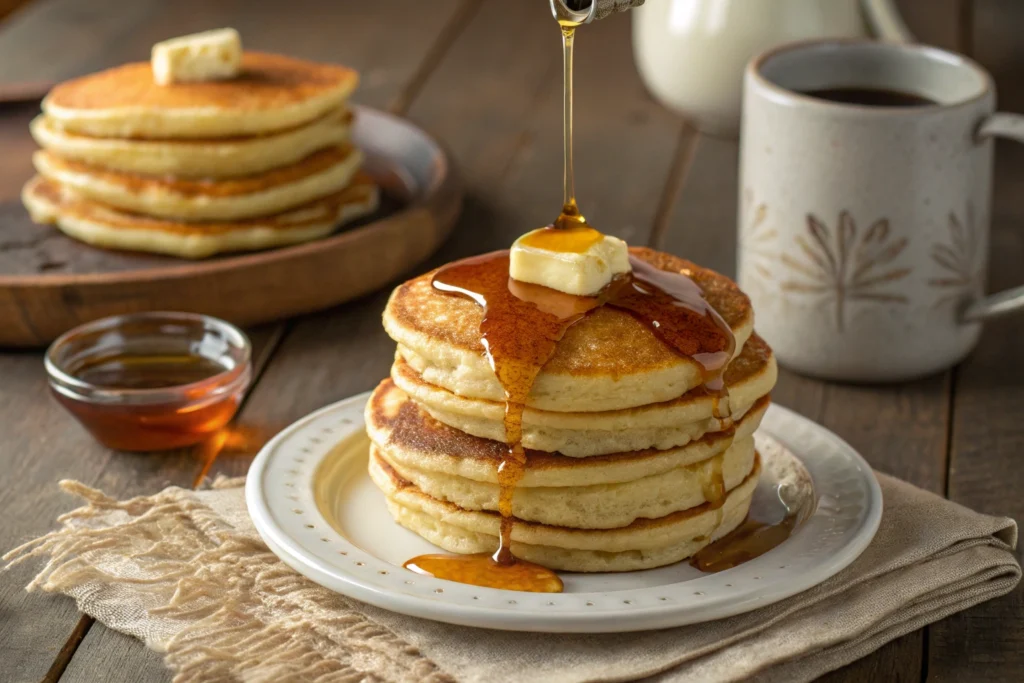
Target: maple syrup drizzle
<point>481,570</point>
<point>576,239</point>
<point>750,539</point>
<point>713,486</point>
<point>570,216</point>
<point>522,326</point>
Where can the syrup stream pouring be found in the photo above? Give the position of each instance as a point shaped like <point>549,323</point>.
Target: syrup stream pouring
<point>523,324</point>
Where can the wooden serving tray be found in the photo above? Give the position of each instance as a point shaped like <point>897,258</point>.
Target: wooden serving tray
<point>50,283</point>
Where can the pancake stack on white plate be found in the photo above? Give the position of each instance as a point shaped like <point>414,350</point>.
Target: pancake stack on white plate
<point>197,168</point>
<point>627,466</point>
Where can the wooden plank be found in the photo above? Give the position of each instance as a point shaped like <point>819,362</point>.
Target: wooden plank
<point>899,660</point>
<point>996,41</point>
<point>41,445</point>
<point>364,40</point>
<point>988,435</point>
<point>51,40</point>
<point>935,22</point>
<point>703,226</point>
<point>323,359</point>
<point>505,87</point>
<point>113,657</point>
<point>900,430</point>
<point>495,101</point>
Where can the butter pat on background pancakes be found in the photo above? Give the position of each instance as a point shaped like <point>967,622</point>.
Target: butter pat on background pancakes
<point>207,56</point>
<point>271,93</point>
<point>207,150</point>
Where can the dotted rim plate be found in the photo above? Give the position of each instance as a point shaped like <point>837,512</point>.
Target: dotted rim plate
<point>289,478</point>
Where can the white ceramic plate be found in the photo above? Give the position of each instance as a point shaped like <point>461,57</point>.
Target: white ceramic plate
<point>313,503</point>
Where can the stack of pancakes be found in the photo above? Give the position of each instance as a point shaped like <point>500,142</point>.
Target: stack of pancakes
<point>193,169</point>
<point>625,456</point>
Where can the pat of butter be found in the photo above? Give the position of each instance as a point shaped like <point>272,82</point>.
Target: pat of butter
<point>578,261</point>
<point>207,56</point>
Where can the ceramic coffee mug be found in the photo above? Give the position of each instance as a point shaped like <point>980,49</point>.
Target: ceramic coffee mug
<point>863,230</point>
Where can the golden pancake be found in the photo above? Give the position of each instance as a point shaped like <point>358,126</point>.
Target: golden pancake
<point>629,460</point>
<point>272,93</point>
<point>318,175</point>
<point>600,506</point>
<point>597,492</point>
<point>412,437</point>
<point>102,226</point>
<point>663,425</point>
<point>221,158</point>
<point>607,361</point>
<point>644,544</point>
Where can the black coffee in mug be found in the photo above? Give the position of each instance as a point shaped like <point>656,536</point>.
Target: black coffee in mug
<point>871,97</point>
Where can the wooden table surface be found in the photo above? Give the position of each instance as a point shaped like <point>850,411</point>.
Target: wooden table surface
<point>484,76</point>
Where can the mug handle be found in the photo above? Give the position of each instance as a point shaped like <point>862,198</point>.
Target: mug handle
<point>1011,126</point>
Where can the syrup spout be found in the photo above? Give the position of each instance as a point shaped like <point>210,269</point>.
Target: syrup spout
<point>577,12</point>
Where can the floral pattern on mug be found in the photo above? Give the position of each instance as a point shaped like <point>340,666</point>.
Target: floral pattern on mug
<point>757,237</point>
<point>960,272</point>
<point>845,264</point>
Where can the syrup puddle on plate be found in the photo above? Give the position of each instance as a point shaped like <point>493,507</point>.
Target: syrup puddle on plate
<point>354,508</point>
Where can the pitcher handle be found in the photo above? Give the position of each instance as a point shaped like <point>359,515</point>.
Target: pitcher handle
<point>1011,126</point>
<point>885,21</point>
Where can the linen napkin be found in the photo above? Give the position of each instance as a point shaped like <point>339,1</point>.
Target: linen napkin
<point>186,572</point>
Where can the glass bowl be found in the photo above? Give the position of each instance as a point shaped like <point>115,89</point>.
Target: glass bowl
<point>151,381</point>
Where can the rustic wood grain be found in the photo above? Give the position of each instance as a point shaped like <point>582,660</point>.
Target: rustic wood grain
<point>703,226</point>
<point>60,662</point>
<point>51,40</point>
<point>113,657</point>
<point>899,430</point>
<point>492,98</point>
<point>935,22</point>
<point>988,434</point>
<point>244,289</point>
<point>50,283</point>
<point>996,41</point>
<point>674,183</point>
<point>507,144</point>
<point>42,443</point>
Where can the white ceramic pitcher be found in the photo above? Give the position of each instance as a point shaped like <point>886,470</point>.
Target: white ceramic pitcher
<point>691,53</point>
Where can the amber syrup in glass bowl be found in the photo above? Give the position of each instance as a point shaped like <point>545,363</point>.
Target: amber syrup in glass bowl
<point>151,381</point>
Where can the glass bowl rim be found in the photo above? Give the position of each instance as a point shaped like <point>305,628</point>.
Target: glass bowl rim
<point>228,381</point>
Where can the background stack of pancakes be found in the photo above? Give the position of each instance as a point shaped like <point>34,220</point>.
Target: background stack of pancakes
<point>193,169</point>
<point>623,449</point>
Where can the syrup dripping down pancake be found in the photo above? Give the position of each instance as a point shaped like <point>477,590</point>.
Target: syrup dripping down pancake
<point>597,492</point>
<point>645,544</point>
<point>608,360</point>
<point>661,425</point>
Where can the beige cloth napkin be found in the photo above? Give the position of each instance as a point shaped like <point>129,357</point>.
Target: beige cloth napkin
<point>185,572</point>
